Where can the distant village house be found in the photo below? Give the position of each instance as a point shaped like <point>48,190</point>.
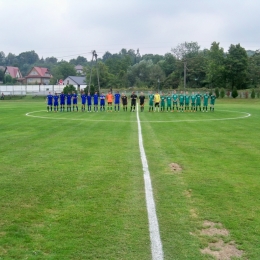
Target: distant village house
<point>38,75</point>
<point>75,80</point>
<point>14,72</point>
<point>79,69</point>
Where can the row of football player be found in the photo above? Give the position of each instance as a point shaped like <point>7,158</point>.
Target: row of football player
<point>160,102</point>
<point>116,98</point>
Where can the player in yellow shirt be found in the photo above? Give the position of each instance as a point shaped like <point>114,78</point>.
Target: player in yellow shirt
<point>157,99</point>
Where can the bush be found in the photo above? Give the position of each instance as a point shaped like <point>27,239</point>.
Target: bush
<point>258,93</point>
<point>92,90</point>
<point>217,92</point>
<point>69,89</point>
<point>222,93</point>
<point>253,93</point>
<point>234,92</point>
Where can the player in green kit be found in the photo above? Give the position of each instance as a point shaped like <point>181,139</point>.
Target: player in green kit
<point>212,101</point>
<point>175,101</point>
<point>169,102</point>
<point>193,102</point>
<point>163,98</point>
<point>187,101</point>
<point>151,98</point>
<point>205,102</point>
<point>181,100</point>
<point>198,101</point>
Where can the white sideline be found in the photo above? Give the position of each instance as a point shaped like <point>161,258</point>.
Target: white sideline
<point>156,244</point>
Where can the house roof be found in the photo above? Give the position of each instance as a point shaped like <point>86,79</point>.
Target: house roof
<point>78,80</point>
<point>78,67</point>
<point>41,73</point>
<point>13,71</point>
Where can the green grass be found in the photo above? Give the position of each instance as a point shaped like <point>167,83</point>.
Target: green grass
<point>73,189</point>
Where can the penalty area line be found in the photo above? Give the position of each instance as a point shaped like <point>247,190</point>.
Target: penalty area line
<point>156,244</point>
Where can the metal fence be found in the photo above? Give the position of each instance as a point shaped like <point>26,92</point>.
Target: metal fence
<point>43,90</point>
<point>40,90</point>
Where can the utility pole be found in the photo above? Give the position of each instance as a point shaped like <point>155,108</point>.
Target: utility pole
<point>94,57</point>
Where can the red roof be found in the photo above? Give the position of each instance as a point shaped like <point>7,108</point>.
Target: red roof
<point>13,71</point>
<point>41,73</point>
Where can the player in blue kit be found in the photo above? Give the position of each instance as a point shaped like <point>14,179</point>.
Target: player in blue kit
<point>83,101</point>
<point>89,100</point>
<point>102,98</point>
<point>75,100</point>
<point>56,102</point>
<point>117,101</point>
<point>62,101</point>
<point>49,100</point>
<point>95,97</point>
<point>68,98</point>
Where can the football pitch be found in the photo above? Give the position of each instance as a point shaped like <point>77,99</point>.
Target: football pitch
<point>72,183</point>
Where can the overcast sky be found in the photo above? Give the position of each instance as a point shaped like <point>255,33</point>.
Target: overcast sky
<point>66,29</point>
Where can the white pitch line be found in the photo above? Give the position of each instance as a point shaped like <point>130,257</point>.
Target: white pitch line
<point>156,244</point>
<point>143,121</point>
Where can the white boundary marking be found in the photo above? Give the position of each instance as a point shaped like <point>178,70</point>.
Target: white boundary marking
<point>156,244</point>
<point>29,114</point>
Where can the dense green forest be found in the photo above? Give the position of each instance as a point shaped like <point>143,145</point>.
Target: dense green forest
<point>186,64</point>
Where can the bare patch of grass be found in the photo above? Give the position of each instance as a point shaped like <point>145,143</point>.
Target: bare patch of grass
<point>214,229</point>
<point>222,251</point>
<point>175,167</point>
<point>193,213</point>
<point>216,245</point>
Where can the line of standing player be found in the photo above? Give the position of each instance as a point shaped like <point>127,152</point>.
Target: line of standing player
<point>170,102</point>
<point>181,102</point>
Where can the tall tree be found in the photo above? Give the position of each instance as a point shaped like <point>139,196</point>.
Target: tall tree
<point>168,64</point>
<point>254,69</point>
<point>2,58</point>
<point>11,60</point>
<point>52,60</point>
<point>61,71</point>
<point>79,61</point>
<point>186,50</point>
<point>29,57</point>
<point>145,73</point>
<point>236,66</point>
<point>215,66</point>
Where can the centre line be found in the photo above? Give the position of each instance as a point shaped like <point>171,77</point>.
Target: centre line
<point>156,244</point>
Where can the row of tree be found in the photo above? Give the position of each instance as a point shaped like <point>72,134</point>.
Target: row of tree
<point>186,64</point>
